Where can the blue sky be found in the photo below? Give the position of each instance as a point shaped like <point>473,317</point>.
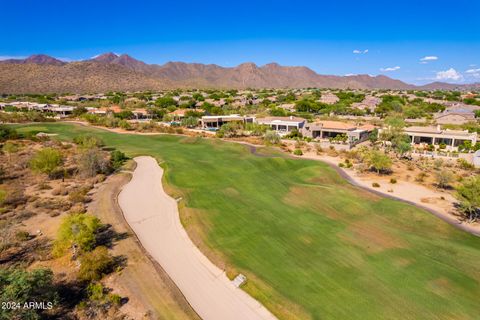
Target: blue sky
<point>331,37</point>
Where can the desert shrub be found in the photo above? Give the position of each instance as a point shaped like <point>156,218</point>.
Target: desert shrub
<point>298,152</point>
<point>44,186</point>
<point>10,148</point>
<point>469,195</point>
<point>111,122</point>
<point>95,291</point>
<point>341,165</point>
<point>117,158</point>
<point>393,180</point>
<point>7,133</point>
<point>3,196</point>
<point>91,162</point>
<point>464,164</point>
<point>22,235</point>
<point>46,161</point>
<point>124,124</point>
<point>95,264</point>
<point>88,141</point>
<point>272,138</point>
<point>115,299</point>
<point>421,177</point>
<point>376,185</point>
<point>78,195</point>
<point>444,178</point>
<point>77,230</point>
<point>60,191</point>
<point>230,129</point>
<point>15,197</point>
<point>438,163</point>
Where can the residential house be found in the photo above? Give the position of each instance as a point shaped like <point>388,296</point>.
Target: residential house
<point>329,98</point>
<point>437,135</point>
<point>326,129</point>
<point>454,117</point>
<point>283,125</point>
<point>215,122</point>
<point>370,102</point>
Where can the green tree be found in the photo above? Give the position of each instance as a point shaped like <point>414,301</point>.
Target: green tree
<point>46,161</point>
<point>78,111</point>
<point>190,122</point>
<point>230,129</point>
<point>378,161</point>
<point>7,133</point>
<point>95,264</point>
<point>22,286</point>
<point>469,195</point>
<point>76,231</point>
<point>402,145</point>
<point>373,136</point>
<point>165,102</point>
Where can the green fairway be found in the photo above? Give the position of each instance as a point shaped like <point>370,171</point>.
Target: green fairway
<point>311,245</point>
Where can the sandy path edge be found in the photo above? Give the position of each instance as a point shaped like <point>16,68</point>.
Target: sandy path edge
<point>153,216</point>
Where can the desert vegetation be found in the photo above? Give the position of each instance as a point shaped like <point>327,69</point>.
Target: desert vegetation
<point>51,250</point>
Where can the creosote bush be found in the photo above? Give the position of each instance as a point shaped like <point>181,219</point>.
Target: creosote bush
<point>46,161</point>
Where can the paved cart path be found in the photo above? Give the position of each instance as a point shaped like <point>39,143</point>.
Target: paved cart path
<point>153,216</point>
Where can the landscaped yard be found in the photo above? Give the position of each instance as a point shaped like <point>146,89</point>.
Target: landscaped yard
<point>311,245</point>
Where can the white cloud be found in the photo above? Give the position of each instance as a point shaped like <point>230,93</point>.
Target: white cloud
<point>450,74</point>
<point>429,58</point>
<point>390,69</point>
<point>475,73</point>
<point>356,51</point>
<point>350,74</point>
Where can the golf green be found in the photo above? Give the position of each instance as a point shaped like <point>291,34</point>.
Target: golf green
<point>311,245</point>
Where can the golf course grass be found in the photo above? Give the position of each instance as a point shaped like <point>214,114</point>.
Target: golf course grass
<point>311,245</point>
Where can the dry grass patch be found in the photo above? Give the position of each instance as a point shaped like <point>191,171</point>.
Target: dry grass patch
<point>371,237</point>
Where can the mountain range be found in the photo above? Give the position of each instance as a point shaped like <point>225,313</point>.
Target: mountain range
<point>112,72</point>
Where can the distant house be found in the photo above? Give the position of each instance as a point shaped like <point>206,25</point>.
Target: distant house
<point>60,111</point>
<point>476,159</point>
<point>141,114</point>
<point>331,129</point>
<point>287,106</point>
<point>370,102</point>
<point>454,117</point>
<point>329,98</point>
<point>436,136</point>
<point>105,110</point>
<point>283,124</point>
<point>214,122</point>
<point>179,114</point>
